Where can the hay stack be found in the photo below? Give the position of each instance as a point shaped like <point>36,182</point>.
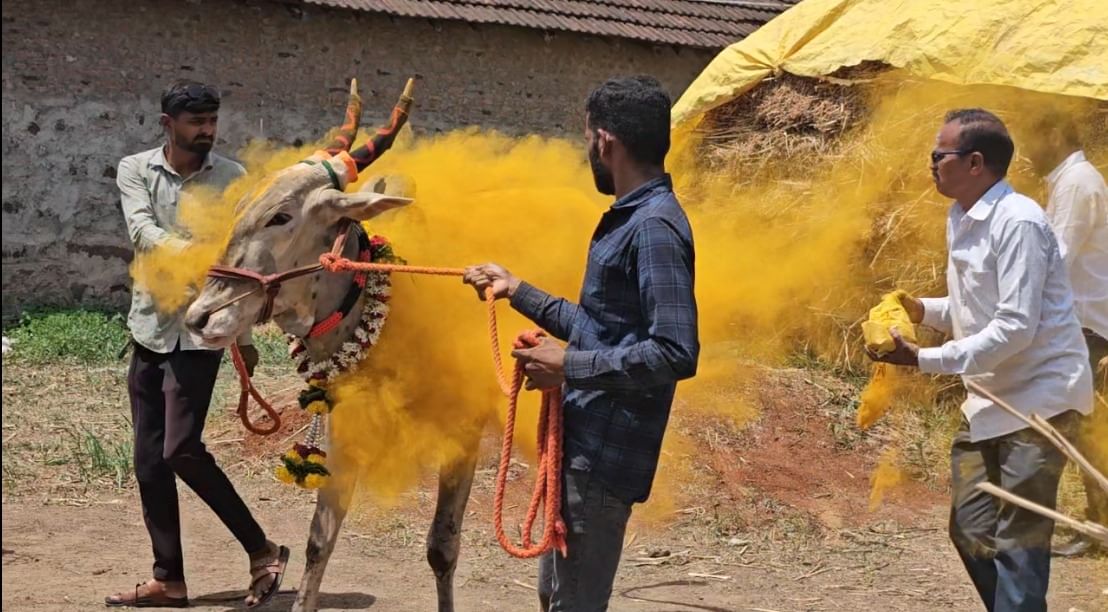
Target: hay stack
<point>786,117</point>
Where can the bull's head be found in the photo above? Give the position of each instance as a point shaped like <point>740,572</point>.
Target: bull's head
<point>287,222</point>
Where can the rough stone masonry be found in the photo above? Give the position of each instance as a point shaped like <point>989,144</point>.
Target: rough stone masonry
<point>81,81</point>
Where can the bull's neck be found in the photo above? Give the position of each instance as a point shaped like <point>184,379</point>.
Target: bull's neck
<point>328,290</point>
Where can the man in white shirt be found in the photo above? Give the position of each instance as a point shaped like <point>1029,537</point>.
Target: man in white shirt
<point>171,378</point>
<point>1078,211</point>
<point>1010,312</point>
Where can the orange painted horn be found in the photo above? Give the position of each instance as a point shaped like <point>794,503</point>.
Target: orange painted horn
<point>349,129</point>
<point>383,139</point>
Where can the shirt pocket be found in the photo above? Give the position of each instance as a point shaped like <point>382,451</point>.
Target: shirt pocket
<point>973,264</point>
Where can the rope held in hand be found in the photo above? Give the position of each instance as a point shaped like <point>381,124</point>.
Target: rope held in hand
<point>547,492</point>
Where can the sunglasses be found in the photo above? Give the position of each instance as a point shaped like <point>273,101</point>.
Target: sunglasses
<point>937,156</point>
<point>201,92</point>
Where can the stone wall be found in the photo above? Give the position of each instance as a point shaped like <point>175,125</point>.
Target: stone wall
<point>81,80</point>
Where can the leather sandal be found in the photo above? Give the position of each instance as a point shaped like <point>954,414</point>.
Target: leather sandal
<point>146,595</point>
<point>259,572</point>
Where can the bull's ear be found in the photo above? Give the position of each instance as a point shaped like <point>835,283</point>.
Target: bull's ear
<point>362,205</point>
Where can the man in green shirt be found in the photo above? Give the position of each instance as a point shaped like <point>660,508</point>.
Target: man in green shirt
<point>172,375</point>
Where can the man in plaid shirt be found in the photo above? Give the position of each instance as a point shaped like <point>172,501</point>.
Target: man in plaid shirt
<point>630,339</point>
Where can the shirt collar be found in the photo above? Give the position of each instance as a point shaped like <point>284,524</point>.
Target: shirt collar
<point>640,193</point>
<point>1071,160</point>
<point>159,161</point>
<point>985,205</point>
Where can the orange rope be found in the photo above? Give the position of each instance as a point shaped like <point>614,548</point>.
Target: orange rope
<point>244,398</point>
<point>548,482</point>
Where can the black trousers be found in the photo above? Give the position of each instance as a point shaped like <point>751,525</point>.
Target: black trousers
<point>170,394</point>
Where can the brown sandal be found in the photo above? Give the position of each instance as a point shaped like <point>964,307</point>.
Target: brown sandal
<point>275,568</point>
<point>143,597</point>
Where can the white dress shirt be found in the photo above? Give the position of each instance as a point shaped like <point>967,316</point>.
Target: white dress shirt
<point>1011,315</point>
<point>1078,212</point>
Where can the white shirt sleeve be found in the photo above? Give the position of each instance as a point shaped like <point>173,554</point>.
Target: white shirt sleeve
<point>1023,257</point>
<point>936,314</point>
<point>1070,213</point>
<point>138,211</point>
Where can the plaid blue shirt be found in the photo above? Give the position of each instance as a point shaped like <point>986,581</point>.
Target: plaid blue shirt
<point>631,338</point>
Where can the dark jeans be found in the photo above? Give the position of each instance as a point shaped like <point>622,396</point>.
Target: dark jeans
<point>596,521</point>
<point>170,394</point>
<point>1006,549</point>
<point>1092,440</point>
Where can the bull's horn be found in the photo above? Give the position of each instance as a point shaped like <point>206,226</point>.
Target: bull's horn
<point>383,139</point>
<point>349,129</point>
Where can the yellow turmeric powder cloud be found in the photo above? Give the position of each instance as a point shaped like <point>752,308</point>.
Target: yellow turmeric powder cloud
<point>788,260</point>
<point>427,390</point>
<point>206,218</point>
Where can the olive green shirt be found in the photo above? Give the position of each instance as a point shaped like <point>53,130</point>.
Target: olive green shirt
<point>150,190</point>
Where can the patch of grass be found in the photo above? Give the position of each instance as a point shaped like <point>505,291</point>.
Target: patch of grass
<point>66,419</point>
<point>271,344</point>
<point>924,419</point>
<point>73,336</point>
<point>98,458</point>
<point>807,359</point>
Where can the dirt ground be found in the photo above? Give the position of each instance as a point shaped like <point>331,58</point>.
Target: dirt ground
<point>771,515</point>
<point>62,557</point>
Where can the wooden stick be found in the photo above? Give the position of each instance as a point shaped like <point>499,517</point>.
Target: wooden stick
<point>1070,451</point>
<point>524,584</point>
<point>1042,426</point>
<point>1093,530</point>
<point>712,576</point>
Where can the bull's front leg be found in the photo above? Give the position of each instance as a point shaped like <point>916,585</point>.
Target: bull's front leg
<point>330,509</point>
<point>444,538</point>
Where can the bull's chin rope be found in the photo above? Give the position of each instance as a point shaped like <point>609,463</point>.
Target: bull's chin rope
<point>547,493</point>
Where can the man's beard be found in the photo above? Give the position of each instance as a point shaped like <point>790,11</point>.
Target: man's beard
<point>601,175</point>
<point>200,147</point>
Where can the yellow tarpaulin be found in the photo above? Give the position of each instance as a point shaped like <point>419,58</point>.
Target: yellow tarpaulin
<point>1049,46</point>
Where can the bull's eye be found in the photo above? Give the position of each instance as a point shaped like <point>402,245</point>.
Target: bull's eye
<point>279,219</point>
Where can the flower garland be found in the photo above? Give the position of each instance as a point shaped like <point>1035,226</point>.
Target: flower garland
<point>305,464</point>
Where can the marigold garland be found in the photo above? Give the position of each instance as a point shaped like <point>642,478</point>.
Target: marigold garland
<point>305,465</point>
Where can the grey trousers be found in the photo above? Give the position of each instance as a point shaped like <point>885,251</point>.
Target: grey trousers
<point>1006,549</point>
<point>596,521</point>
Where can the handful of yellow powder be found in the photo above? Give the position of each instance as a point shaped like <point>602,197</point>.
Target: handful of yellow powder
<point>878,394</point>
<point>888,313</point>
